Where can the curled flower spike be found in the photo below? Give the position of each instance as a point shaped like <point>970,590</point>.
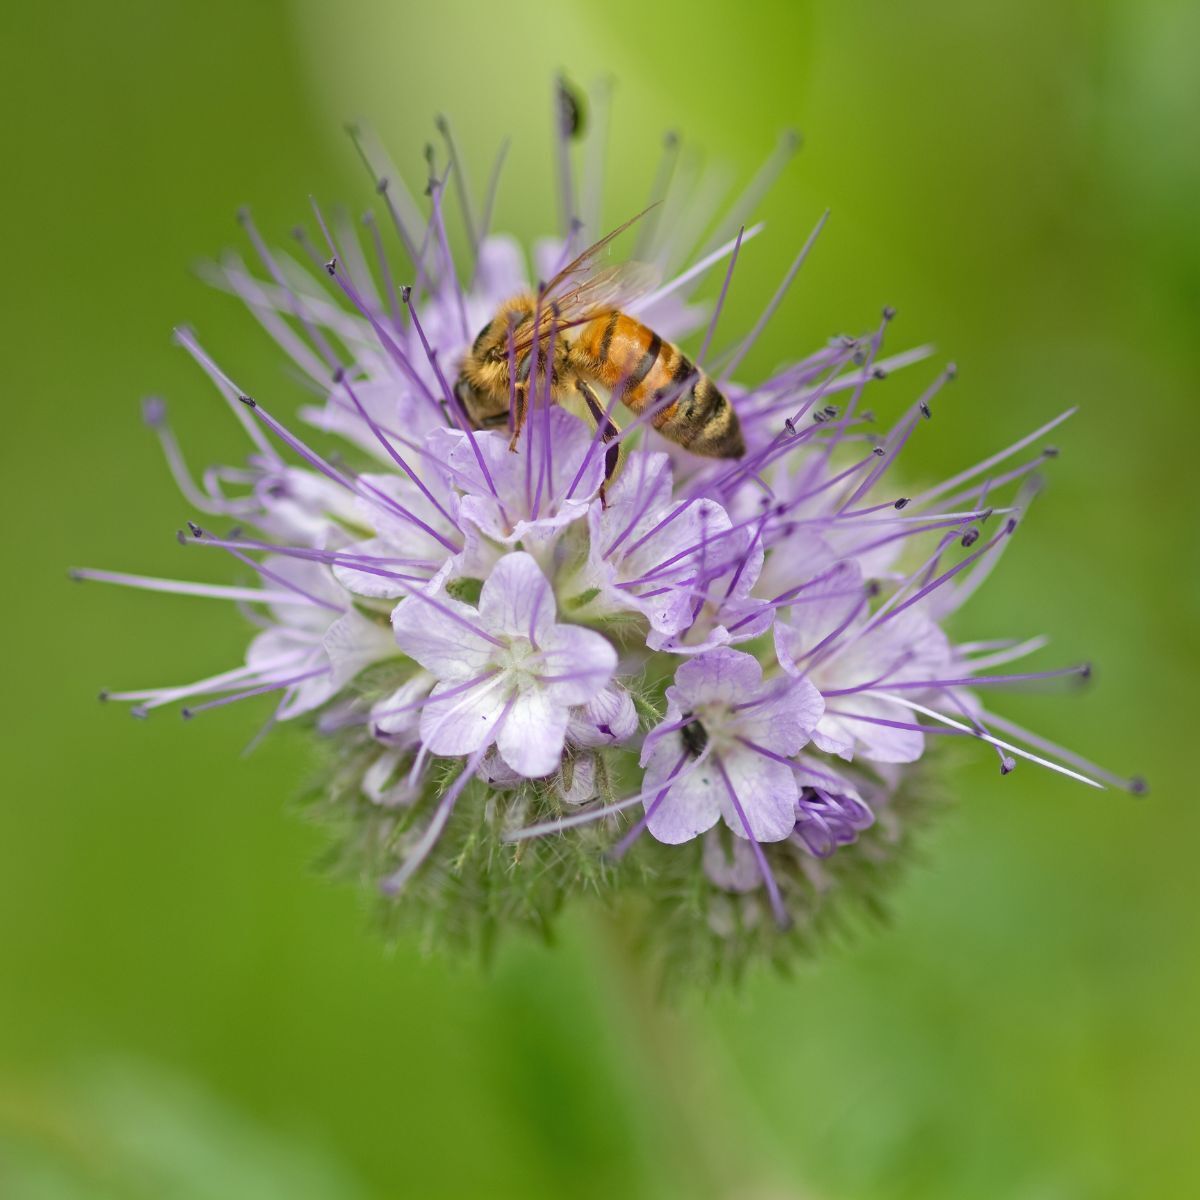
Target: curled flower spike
<point>549,649</point>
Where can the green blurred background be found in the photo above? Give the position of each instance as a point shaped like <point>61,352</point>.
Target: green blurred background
<point>188,1010</point>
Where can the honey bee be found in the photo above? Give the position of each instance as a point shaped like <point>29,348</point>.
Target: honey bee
<point>576,321</point>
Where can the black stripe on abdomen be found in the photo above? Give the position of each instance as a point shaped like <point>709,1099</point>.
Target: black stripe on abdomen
<point>646,365</point>
<point>606,340</point>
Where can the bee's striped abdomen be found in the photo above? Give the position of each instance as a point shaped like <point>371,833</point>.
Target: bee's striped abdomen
<point>624,353</point>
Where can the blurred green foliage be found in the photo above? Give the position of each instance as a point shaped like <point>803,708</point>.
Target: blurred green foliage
<point>187,1011</point>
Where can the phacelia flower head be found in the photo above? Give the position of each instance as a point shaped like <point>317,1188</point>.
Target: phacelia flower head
<point>553,652</point>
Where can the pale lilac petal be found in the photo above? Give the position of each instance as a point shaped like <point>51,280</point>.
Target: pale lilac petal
<point>353,643</point>
<point>766,790</point>
<point>531,740</point>
<point>462,722</point>
<point>579,780</point>
<point>730,862</point>
<point>397,717</point>
<point>516,600</point>
<point>450,648</point>
<point>609,718</point>
<point>305,696</point>
<point>692,803</point>
<point>722,676</point>
<point>818,611</point>
<point>383,782</point>
<point>374,583</point>
<point>310,581</point>
<point>785,722</point>
<point>577,663</point>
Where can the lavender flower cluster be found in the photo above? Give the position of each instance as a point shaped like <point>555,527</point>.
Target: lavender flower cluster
<point>524,663</point>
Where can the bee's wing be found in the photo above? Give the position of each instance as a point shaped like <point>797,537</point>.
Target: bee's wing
<point>581,267</point>
<point>584,299</point>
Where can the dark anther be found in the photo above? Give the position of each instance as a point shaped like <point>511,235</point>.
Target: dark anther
<point>243,215</point>
<point>570,110</point>
<point>951,371</point>
<point>873,589</point>
<point>670,139</point>
<point>901,503</point>
<point>1007,765</point>
<point>298,233</point>
<point>382,185</point>
<point>859,357</point>
<point>1085,672</point>
<point>186,714</point>
<point>879,451</point>
<point>1138,786</point>
<point>441,124</point>
<point>986,515</point>
<point>970,538</point>
<point>196,530</point>
<point>1050,452</point>
<point>790,426</point>
<point>405,293</point>
<point>830,411</point>
<point>102,696</point>
<point>429,152</point>
<point>925,411</point>
<point>694,735</point>
<point>889,313</point>
<point>331,266</point>
<point>819,417</point>
<point>879,373</point>
<point>339,373</point>
<point>867,415</point>
<point>248,401</point>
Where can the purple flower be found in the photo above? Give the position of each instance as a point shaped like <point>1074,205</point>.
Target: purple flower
<point>722,751</point>
<point>507,672</point>
<point>564,608</point>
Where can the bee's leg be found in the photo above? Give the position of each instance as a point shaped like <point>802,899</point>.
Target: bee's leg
<point>520,400</point>
<point>612,454</point>
<point>521,405</point>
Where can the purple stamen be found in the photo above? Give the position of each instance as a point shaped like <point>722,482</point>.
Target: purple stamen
<point>297,309</point>
<point>748,342</point>
<point>182,587</point>
<point>227,388</point>
<point>716,316</point>
<point>357,485</point>
<point>385,442</point>
<point>988,463</point>
<point>275,685</point>
<point>265,571</point>
<point>385,270</point>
